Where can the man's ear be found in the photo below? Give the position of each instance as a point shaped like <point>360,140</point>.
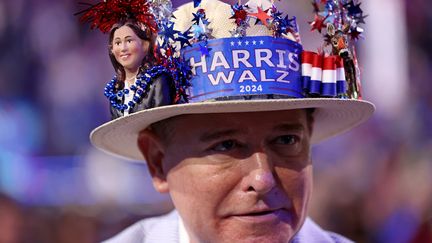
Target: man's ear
<point>153,150</point>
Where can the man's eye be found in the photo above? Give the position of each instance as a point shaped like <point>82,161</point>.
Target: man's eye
<point>224,146</point>
<point>286,140</point>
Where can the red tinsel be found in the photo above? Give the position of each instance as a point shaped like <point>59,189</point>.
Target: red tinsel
<point>109,12</point>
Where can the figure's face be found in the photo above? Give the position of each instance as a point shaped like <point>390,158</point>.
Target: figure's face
<point>240,177</point>
<point>128,49</point>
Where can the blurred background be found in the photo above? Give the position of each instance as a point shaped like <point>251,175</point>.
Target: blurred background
<point>372,184</point>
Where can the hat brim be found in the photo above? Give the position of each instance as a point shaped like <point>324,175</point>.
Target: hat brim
<point>331,117</point>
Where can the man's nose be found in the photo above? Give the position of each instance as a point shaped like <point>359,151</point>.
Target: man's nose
<point>260,177</point>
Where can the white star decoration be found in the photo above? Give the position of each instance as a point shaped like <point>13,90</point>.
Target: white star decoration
<point>246,43</point>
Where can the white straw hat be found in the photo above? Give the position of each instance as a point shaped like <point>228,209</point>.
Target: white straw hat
<point>224,64</point>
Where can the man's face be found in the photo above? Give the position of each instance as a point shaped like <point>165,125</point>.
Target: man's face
<point>239,177</point>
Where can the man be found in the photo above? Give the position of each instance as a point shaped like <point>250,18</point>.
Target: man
<point>235,158</point>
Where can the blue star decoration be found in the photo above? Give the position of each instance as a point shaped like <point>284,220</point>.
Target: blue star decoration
<point>290,22</point>
<point>200,15</point>
<point>201,30</point>
<point>276,14</point>
<point>196,3</point>
<point>197,30</point>
<point>196,17</point>
<point>204,49</point>
<point>168,32</point>
<point>184,69</point>
<point>353,9</point>
<point>330,6</point>
<point>360,19</point>
<point>184,38</point>
<point>355,12</point>
<point>282,25</point>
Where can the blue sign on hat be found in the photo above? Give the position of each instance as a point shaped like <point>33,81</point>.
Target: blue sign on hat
<point>245,66</point>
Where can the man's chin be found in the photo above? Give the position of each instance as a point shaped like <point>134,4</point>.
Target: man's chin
<point>250,230</point>
<point>270,237</point>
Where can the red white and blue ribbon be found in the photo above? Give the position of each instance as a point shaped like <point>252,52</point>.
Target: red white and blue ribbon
<point>322,76</point>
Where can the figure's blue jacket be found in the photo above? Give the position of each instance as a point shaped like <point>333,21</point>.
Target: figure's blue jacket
<point>165,229</point>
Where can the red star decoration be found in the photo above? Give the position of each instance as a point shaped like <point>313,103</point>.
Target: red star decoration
<point>239,16</point>
<point>261,16</point>
<point>318,23</point>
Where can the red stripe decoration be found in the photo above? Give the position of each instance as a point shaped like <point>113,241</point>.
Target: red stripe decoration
<point>306,60</point>
<point>307,57</point>
<point>316,76</point>
<point>329,76</point>
<point>324,76</point>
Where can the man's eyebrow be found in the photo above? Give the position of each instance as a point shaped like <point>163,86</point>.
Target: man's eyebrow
<point>289,127</point>
<point>215,135</point>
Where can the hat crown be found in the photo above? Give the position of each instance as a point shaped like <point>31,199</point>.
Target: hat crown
<point>221,19</point>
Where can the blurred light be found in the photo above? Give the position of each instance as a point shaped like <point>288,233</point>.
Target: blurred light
<point>385,56</point>
<point>111,179</point>
<point>20,127</point>
<point>15,174</point>
<point>2,18</point>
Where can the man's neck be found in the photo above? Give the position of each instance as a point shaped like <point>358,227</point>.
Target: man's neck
<point>183,234</point>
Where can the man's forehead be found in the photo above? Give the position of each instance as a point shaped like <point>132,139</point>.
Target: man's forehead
<point>191,121</point>
<point>168,128</point>
<point>295,113</point>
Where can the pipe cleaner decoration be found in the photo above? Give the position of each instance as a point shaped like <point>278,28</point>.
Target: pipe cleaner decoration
<point>340,19</point>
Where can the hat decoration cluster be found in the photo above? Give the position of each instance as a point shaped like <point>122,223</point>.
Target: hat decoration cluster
<point>345,16</point>
<point>271,18</point>
<point>241,15</point>
<point>339,21</point>
<point>331,72</point>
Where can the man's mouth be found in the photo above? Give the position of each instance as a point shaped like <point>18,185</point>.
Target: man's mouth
<point>264,216</point>
<point>260,213</point>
